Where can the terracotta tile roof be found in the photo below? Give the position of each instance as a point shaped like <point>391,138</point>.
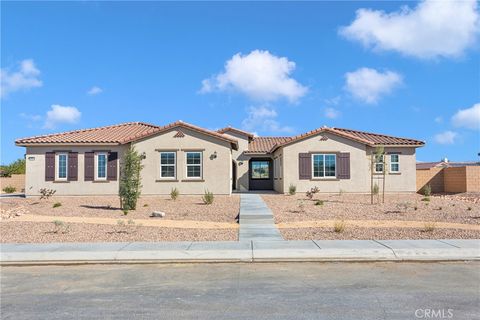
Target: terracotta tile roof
<point>116,134</point>
<point>265,144</point>
<point>443,164</point>
<point>224,130</point>
<point>368,138</point>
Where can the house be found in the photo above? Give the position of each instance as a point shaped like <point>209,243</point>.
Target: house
<point>194,159</point>
<point>450,177</point>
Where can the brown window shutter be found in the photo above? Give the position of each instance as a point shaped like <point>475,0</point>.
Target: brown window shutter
<point>72,166</point>
<point>305,166</point>
<point>112,166</point>
<point>50,166</point>
<point>89,166</point>
<point>343,165</point>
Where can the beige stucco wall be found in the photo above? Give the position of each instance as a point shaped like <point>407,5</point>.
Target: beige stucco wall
<point>35,172</point>
<point>278,182</point>
<point>216,171</point>
<point>241,160</point>
<point>359,166</point>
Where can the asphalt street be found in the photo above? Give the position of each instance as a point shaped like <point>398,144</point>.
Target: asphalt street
<point>243,291</point>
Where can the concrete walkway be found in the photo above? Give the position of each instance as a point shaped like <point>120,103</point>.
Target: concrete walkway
<point>256,219</point>
<point>239,251</point>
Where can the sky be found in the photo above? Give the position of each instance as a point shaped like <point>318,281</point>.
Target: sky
<point>271,68</point>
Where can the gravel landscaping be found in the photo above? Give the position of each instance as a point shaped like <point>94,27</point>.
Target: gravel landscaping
<point>187,208</point>
<point>223,209</point>
<point>34,232</point>
<point>461,208</point>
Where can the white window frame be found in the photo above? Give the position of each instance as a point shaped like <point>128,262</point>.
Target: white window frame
<point>376,162</point>
<point>275,168</point>
<point>169,165</point>
<point>395,162</point>
<point>194,165</point>
<point>313,164</point>
<point>97,178</point>
<point>280,173</point>
<point>57,166</point>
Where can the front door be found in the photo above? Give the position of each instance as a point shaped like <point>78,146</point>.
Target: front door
<point>260,174</point>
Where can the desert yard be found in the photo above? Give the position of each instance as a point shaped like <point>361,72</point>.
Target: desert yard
<point>402,216</point>
<point>91,219</point>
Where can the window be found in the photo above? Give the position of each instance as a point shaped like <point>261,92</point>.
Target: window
<point>194,164</point>
<point>62,165</point>
<point>260,169</point>
<point>276,168</point>
<point>394,163</point>
<point>101,167</point>
<point>378,163</point>
<point>324,165</point>
<point>167,164</point>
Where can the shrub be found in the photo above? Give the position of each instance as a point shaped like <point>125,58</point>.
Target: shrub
<point>9,189</point>
<point>46,193</point>
<point>375,189</point>
<point>125,211</point>
<point>57,204</point>
<point>469,208</point>
<point>339,226</point>
<point>174,194</point>
<point>311,192</point>
<point>429,226</point>
<point>130,184</point>
<point>403,206</point>
<point>319,203</point>
<point>60,226</point>
<point>301,206</point>
<point>145,205</point>
<point>292,189</point>
<point>16,167</point>
<point>208,197</point>
<point>427,191</point>
<point>426,199</point>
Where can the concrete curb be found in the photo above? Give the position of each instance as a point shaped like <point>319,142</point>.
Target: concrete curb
<point>239,251</point>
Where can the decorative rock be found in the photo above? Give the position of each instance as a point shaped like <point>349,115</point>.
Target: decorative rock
<point>157,214</point>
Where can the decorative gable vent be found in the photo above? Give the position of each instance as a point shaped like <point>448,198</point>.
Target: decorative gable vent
<point>179,134</point>
<point>323,138</point>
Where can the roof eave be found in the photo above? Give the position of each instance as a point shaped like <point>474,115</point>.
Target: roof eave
<point>40,144</point>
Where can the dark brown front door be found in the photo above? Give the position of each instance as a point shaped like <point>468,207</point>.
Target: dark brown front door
<point>260,174</point>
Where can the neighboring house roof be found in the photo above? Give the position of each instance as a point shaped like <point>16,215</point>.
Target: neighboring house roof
<point>226,129</point>
<point>116,134</point>
<point>265,144</point>
<point>368,138</point>
<point>443,164</point>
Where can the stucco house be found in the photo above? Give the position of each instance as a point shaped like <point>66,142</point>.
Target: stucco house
<point>194,159</point>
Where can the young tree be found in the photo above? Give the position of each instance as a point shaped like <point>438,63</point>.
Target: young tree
<point>130,184</point>
<point>378,158</point>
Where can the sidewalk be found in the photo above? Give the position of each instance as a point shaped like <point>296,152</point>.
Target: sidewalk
<point>241,251</point>
<point>256,219</point>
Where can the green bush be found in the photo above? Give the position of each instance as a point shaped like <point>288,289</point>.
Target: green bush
<point>319,203</point>
<point>174,194</point>
<point>208,197</point>
<point>130,184</point>
<point>292,189</point>
<point>375,189</point>
<point>9,189</point>
<point>427,199</point>
<point>57,204</point>
<point>16,167</point>
<point>427,191</point>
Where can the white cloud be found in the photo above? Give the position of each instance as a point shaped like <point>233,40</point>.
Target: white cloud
<point>333,101</point>
<point>25,78</point>
<point>468,118</point>
<point>438,119</point>
<point>259,75</point>
<point>61,114</point>
<point>446,137</point>
<point>94,91</point>
<point>264,118</point>
<point>31,117</point>
<point>432,29</point>
<point>369,85</point>
<point>331,113</point>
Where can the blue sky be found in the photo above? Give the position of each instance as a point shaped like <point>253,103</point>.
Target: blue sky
<point>273,68</point>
